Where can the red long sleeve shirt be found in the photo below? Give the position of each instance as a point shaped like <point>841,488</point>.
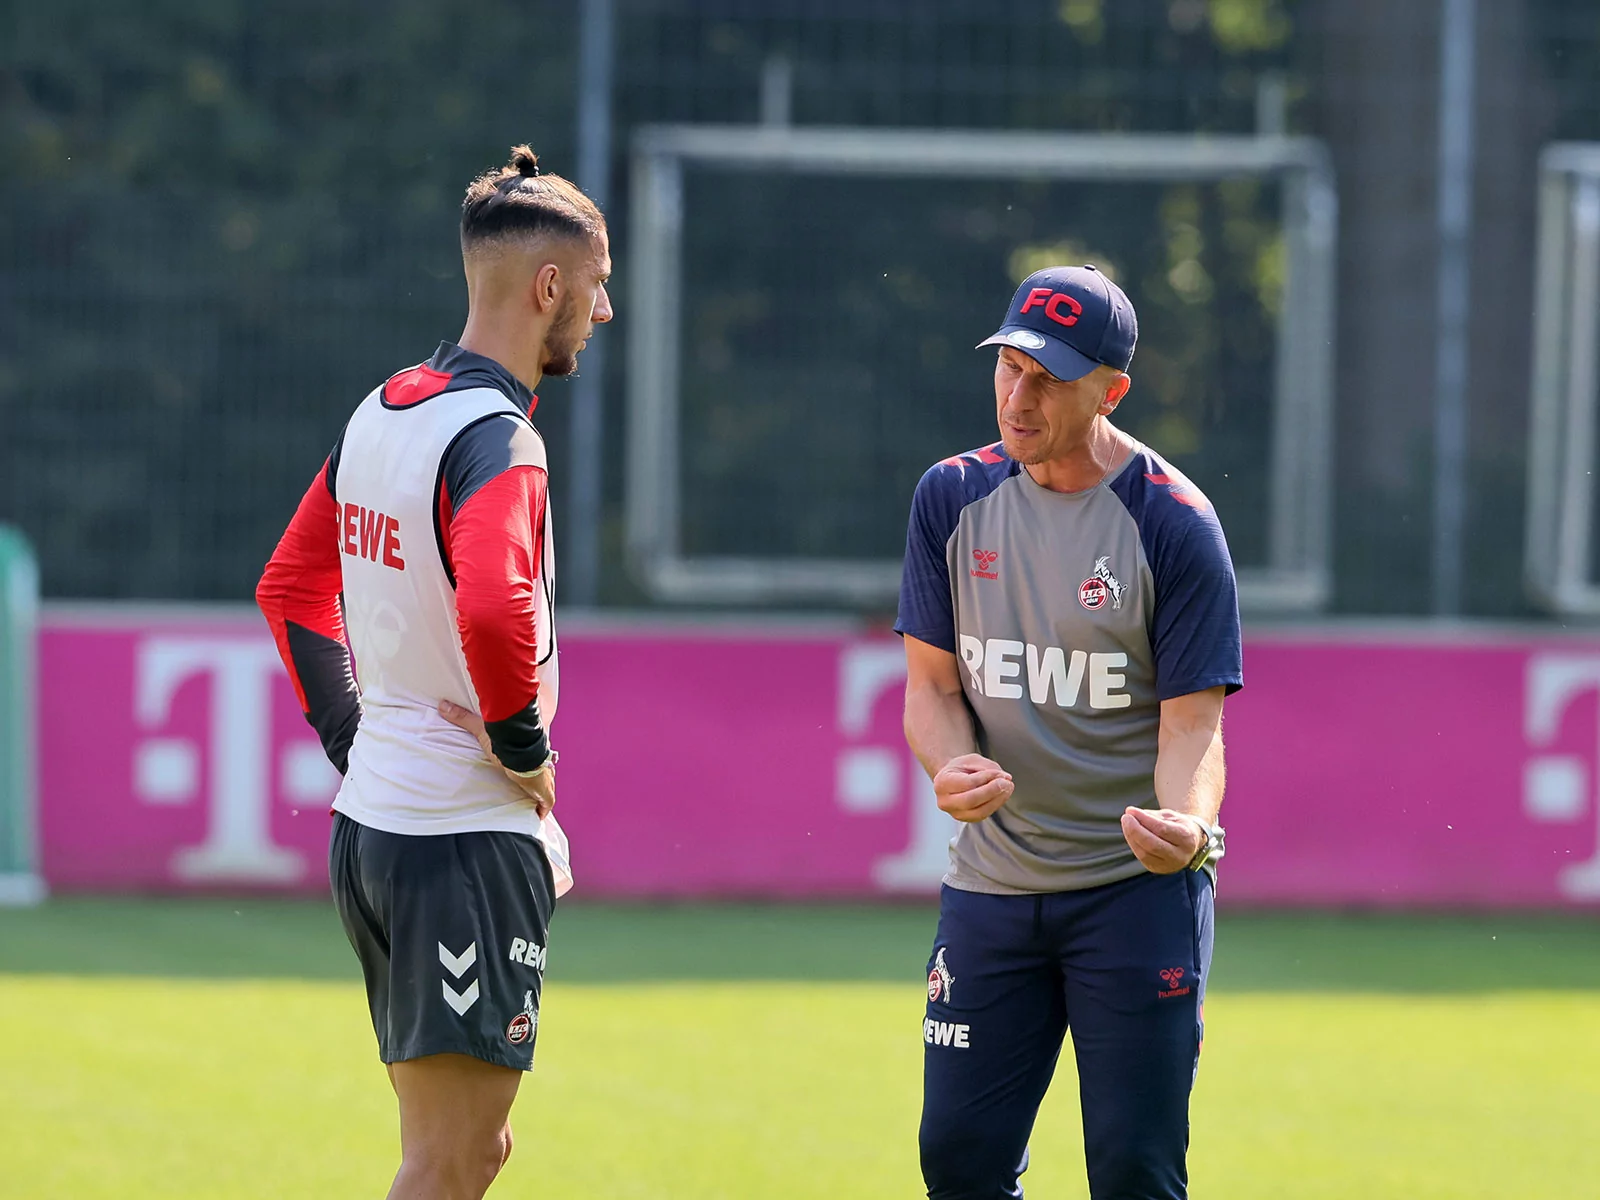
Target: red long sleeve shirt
<point>492,506</point>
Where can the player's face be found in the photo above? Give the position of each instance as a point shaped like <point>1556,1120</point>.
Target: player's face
<point>584,306</point>
<point>1043,418</point>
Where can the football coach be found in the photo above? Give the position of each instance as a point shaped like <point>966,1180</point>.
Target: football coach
<point>1071,629</point>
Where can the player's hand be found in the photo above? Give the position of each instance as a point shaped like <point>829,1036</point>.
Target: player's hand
<point>539,788</point>
<point>1163,840</point>
<point>970,787</point>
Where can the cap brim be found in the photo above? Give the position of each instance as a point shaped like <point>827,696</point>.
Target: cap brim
<point>1054,355</point>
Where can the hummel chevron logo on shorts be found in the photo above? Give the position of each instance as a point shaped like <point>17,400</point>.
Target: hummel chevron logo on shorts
<point>456,964</point>
<point>460,1001</point>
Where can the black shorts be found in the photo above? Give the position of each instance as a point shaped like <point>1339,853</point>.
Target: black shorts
<point>451,932</point>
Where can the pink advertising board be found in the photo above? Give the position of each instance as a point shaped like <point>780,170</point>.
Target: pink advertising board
<point>1365,768</point>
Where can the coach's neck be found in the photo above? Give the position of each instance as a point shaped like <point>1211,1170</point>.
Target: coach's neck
<point>1088,464</point>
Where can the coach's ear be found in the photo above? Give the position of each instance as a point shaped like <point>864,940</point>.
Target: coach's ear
<point>1115,391</point>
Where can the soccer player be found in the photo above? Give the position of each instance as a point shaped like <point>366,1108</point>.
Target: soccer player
<point>431,518</point>
<point>1071,627</point>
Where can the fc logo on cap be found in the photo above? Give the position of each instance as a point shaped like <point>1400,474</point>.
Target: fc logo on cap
<point>1052,302</point>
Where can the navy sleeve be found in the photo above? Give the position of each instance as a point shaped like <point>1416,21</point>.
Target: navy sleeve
<point>926,610</point>
<point>1194,631</point>
<point>1195,634</point>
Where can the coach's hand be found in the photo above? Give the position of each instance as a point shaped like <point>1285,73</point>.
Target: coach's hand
<point>540,788</point>
<point>970,787</point>
<point>1163,840</point>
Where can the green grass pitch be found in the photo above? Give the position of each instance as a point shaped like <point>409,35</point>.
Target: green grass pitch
<point>220,1049</point>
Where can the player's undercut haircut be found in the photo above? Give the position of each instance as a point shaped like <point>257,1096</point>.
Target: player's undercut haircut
<point>517,201</point>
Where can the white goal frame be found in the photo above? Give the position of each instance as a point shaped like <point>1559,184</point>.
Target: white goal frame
<point>1558,571</point>
<point>1297,574</point>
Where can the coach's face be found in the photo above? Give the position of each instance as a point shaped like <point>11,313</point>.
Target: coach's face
<point>584,305</point>
<point>1043,418</point>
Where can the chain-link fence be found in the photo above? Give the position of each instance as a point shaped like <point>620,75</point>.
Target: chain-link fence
<point>221,227</point>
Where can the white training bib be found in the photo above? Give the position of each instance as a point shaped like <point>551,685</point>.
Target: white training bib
<point>411,771</point>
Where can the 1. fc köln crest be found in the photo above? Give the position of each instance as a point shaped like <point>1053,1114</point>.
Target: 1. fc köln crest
<point>525,1023</point>
<point>940,979</point>
<point>1094,591</point>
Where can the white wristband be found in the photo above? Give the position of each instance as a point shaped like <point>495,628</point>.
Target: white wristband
<point>545,765</point>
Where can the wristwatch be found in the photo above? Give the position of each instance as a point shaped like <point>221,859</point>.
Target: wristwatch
<point>1211,849</point>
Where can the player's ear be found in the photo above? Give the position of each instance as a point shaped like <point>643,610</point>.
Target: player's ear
<point>547,287</point>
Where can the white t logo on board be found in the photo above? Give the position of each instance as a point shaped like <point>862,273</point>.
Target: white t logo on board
<point>1559,787</point>
<point>238,846</point>
<point>871,779</point>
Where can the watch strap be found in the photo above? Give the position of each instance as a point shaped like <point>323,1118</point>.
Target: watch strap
<point>1211,849</point>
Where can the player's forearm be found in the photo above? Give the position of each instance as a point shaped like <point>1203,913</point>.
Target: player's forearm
<point>938,726</point>
<point>495,549</point>
<point>1190,772</point>
<point>501,661</point>
<point>299,596</point>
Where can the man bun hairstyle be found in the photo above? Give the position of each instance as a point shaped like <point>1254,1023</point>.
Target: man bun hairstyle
<point>516,200</point>
<point>525,160</point>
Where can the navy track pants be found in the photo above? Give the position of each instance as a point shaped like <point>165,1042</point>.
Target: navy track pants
<point>1124,966</point>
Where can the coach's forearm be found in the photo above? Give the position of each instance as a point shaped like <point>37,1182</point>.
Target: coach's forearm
<point>938,726</point>
<point>1190,772</point>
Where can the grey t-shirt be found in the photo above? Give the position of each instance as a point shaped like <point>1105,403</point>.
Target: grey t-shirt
<point>1074,614</point>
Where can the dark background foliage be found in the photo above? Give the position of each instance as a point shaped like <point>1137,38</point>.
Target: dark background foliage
<point>222,223</point>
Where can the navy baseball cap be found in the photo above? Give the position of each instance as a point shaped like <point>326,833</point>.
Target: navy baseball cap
<point>1070,320</point>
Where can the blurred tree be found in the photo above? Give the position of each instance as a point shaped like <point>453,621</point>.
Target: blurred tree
<point>230,221</point>
<point>224,222</point>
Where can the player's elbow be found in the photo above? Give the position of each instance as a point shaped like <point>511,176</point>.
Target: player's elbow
<point>270,591</point>
<point>495,631</point>
<point>502,656</point>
